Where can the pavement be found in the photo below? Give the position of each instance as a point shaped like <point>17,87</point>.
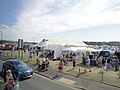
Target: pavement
<point>77,82</point>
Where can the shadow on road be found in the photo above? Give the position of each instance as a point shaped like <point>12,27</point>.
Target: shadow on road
<point>55,77</point>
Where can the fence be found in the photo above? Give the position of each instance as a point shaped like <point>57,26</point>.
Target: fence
<point>17,54</point>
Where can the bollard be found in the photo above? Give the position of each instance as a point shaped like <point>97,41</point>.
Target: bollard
<point>79,71</point>
<point>37,60</point>
<point>102,75</point>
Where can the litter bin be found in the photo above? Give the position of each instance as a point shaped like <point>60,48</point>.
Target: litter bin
<point>1,83</point>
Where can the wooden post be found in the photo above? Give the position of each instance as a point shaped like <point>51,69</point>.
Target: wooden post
<point>119,72</point>
<point>79,71</point>
<point>102,76</point>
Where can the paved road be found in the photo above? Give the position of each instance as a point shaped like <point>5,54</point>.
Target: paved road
<point>41,83</point>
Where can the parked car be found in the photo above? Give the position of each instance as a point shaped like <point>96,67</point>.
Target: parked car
<point>105,53</point>
<point>17,66</point>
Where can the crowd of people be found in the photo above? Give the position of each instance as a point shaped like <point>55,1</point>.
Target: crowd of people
<point>32,52</point>
<point>106,63</point>
<point>43,61</point>
<point>64,61</point>
<point>43,66</point>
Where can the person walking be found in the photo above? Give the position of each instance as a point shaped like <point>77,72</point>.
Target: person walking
<point>47,63</point>
<point>108,64</point>
<point>74,61</point>
<point>87,64</point>
<point>83,59</point>
<point>64,59</point>
<point>60,67</point>
<point>30,55</point>
<point>43,59</point>
<point>103,63</point>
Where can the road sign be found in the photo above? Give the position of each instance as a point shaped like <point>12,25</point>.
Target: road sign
<point>20,43</point>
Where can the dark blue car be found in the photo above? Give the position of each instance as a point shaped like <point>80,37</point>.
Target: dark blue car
<point>18,66</point>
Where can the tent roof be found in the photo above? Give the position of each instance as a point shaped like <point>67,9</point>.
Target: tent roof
<point>70,49</point>
<point>87,49</point>
<point>62,42</point>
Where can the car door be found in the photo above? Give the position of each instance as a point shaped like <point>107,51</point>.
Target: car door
<point>7,65</point>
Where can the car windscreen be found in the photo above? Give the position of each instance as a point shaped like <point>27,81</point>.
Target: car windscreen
<point>19,64</point>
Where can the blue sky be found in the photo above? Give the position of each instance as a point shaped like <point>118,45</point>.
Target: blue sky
<point>8,11</point>
<point>85,20</point>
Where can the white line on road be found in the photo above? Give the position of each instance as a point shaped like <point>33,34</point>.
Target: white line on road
<point>66,81</point>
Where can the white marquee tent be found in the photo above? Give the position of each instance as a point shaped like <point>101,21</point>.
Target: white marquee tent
<point>59,45</point>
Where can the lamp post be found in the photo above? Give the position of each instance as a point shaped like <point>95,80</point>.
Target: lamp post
<point>1,36</point>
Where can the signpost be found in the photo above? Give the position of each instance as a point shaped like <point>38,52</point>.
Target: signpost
<point>20,48</point>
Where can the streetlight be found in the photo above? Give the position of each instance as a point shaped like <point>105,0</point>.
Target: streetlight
<point>1,37</point>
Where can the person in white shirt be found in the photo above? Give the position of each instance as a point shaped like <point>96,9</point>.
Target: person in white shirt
<point>43,59</point>
<point>87,64</point>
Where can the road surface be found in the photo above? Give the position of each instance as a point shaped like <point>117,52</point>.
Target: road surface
<point>38,82</point>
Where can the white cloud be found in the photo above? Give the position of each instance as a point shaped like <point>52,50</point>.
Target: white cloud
<point>50,16</point>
